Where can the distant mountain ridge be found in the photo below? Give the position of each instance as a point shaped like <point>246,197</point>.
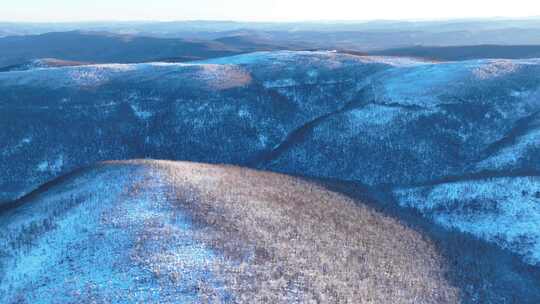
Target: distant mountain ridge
<point>180,28</point>
<point>205,40</point>
<point>189,41</point>
<point>466,52</point>
<point>103,47</point>
<point>42,63</point>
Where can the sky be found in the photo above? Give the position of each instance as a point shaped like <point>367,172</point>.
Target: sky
<point>260,10</point>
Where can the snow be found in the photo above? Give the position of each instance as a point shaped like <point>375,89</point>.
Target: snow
<point>372,115</point>
<point>228,72</point>
<point>421,85</point>
<point>397,61</point>
<point>213,76</point>
<point>526,94</point>
<point>252,58</point>
<point>313,73</point>
<point>280,83</point>
<point>96,239</point>
<point>54,166</point>
<point>244,113</point>
<point>330,59</point>
<point>143,115</point>
<point>505,211</point>
<point>43,166</point>
<point>220,74</point>
<point>495,68</point>
<point>511,155</point>
<point>83,76</point>
<point>391,95</point>
<point>24,142</point>
<point>263,140</point>
<point>220,77</point>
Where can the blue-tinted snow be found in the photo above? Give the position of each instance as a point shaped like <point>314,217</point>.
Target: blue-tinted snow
<point>97,238</point>
<point>505,211</point>
<point>376,120</point>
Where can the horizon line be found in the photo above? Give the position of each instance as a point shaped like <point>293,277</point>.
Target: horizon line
<point>275,21</point>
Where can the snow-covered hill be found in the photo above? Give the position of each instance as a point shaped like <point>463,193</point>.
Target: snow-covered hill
<point>389,123</point>
<point>57,119</point>
<point>42,63</point>
<point>504,210</point>
<point>165,232</point>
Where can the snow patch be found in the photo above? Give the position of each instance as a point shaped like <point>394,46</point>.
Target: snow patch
<point>422,84</point>
<point>54,166</point>
<point>43,166</point>
<point>280,83</point>
<point>25,141</point>
<point>221,77</point>
<point>313,73</point>
<point>372,115</point>
<point>511,155</point>
<point>505,211</point>
<point>143,115</point>
<point>495,68</point>
<point>244,113</point>
<point>263,140</point>
<point>143,245</point>
<point>396,61</point>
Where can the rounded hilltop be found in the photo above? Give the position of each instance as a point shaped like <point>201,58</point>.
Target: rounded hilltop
<point>157,231</point>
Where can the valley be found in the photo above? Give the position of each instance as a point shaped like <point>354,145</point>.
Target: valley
<point>383,161</point>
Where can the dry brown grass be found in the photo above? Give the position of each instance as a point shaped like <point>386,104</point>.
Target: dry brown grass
<point>286,240</point>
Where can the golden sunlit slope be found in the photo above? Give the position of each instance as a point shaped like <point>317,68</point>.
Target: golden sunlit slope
<point>157,231</point>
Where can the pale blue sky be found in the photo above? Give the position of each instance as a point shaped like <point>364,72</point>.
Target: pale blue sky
<point>260,10</point>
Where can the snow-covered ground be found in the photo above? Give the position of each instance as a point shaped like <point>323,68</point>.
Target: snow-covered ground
<point>177,232</point>
<point>504,210</point>
<point>96,238</point>
<point>377,120</point>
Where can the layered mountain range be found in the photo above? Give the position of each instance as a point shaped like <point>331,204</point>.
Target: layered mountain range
<point>457,142</point>
<point>162,231</point>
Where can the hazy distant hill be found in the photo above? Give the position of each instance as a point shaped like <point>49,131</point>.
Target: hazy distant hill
<point>252,41</point>
<point>187,41</point>
<point>466,52</point>
<point>101,47</point>
<point>180,28</point>
<point>357,36</point>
